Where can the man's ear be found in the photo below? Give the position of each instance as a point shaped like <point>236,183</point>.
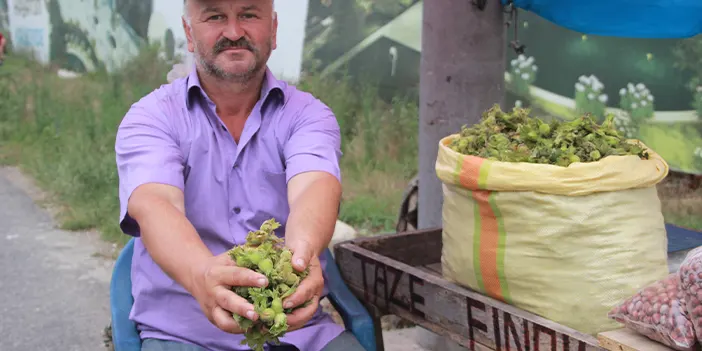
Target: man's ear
<point>188,34</point>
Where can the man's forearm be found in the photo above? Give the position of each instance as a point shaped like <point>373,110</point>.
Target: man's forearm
<point>313,214</point>
<point>170,239</point>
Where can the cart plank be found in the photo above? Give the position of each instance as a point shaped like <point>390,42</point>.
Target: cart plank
<point>393,286</point>
<point>418,248</point>
<point>628,340</point>
<point>435,267</point>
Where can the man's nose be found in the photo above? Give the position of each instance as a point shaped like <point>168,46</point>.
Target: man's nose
<point>233,30</point>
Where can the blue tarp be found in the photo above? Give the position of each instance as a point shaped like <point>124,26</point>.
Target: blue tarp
<point>682,238</point>
<point>654,19</point>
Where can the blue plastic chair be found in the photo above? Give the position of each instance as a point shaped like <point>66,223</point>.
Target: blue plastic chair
<point>125,336</point>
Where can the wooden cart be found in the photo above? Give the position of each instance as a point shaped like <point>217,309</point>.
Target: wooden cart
<point>400,274</point>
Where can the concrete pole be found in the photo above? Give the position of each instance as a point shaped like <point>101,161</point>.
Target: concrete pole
<point>462,75</point>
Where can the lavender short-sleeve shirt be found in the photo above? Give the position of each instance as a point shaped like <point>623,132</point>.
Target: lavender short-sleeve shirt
<point>173,136</point>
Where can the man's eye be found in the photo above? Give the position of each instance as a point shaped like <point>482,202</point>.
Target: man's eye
<point>215,18</point>
<point>248,15</point>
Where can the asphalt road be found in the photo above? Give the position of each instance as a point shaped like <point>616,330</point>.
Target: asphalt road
<point>54,285</point>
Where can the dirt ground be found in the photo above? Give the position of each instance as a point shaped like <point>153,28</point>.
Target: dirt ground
<point>681,199</point>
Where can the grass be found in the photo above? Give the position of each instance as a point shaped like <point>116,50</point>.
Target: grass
<point>62,133</point>
<point>681,202</point>
<point>675,142</point>
<point>380,150</point>
<point>554,109</point>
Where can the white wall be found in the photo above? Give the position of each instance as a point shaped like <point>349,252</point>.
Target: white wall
<point>286,60</point>
<point>30,30</point>
<point>28,27</point>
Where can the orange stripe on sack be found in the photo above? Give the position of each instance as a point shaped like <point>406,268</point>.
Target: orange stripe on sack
<point>470,172</point>
<point>489,243</point>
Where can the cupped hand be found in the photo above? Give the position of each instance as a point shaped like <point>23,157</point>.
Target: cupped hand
<point>309,291</point>
<point>211,286</point>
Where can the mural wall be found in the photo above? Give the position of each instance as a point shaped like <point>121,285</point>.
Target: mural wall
<point>82,35</point>
<point>650,85</point>
<point>4,18</point>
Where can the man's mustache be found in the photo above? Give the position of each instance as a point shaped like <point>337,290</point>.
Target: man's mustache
<point>225,44</point>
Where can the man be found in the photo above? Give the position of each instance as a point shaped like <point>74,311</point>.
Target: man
<point>206,159</point>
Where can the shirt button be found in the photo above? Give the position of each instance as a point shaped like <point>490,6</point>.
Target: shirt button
<point>237,210</point>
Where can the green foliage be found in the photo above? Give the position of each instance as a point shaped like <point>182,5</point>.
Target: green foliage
<point>589,98</point>
<point>674,142</point>
<point>625,125</point>
<point>264,253</point>
<point>517,137</point>
<point>638,101</point>
<point>696,87</point>
<point>688,56</point>
<point>698,157</point>
<point>523,72</point>
<point>61,132</point>
<point>341,96</point>
<point>368,212</point>
<point>388,7</point>
<point>380,146</point>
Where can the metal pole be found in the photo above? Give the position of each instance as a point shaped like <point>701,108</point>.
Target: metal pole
<point>462,75</point>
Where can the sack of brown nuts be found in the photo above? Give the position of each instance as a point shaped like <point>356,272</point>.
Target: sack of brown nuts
<point>659,312</point>
<point>691,281</point>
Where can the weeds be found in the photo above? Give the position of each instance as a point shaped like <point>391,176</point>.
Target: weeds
<point>61,132</point>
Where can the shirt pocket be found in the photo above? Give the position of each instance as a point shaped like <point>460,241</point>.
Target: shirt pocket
<point>271,198</point>
<point>275,180</point>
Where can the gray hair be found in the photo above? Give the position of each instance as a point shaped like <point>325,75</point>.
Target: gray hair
<point>186,14</point>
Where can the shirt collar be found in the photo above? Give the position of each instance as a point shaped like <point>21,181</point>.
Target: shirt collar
<point>270,86</point>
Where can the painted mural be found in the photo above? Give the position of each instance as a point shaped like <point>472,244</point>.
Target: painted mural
<point>4,19</point>
<point>345,36</point>
<point>81,35</point>
<point>652,87</point>
<point>85,35</point>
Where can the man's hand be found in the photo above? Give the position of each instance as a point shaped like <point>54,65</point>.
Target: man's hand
<point>212,289</point>
<point>310,289</point>
<point>314,201</point>
<point>177,248</point>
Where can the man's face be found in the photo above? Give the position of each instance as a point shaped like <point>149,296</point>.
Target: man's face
<point>231,39</point>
